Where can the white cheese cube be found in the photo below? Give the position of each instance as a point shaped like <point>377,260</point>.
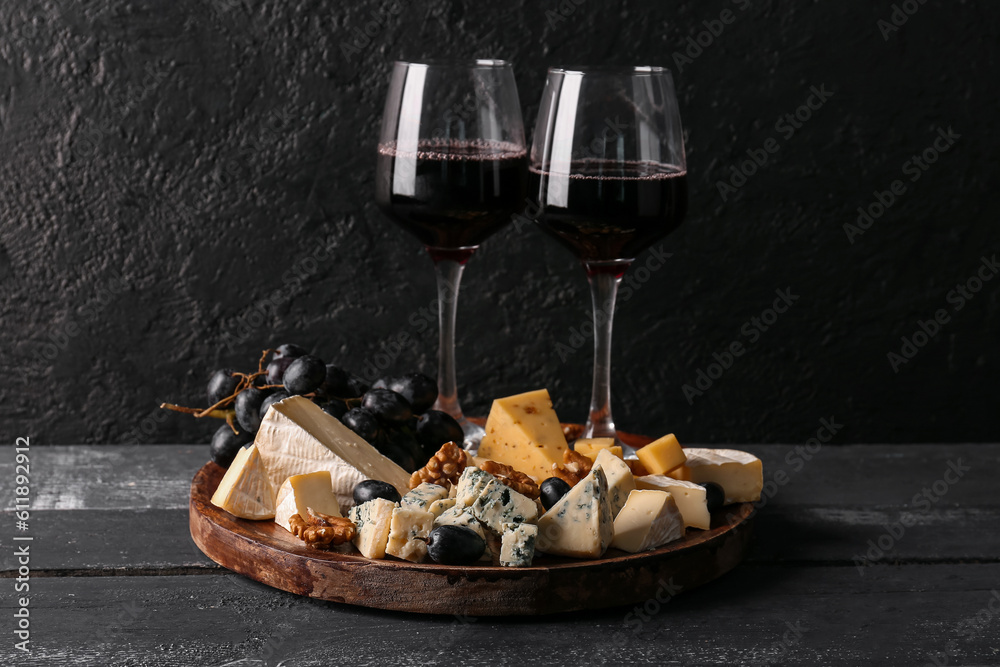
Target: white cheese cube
<point>620,480</point>
<point>649,520</point>
<point>422,496</point>
<point>498,504</point>
<point>373,520</point>
<point>580,525</point>
<point>741,475</point>
<point>408,533</point>
<point>690,498</point>
<point>518,544</point>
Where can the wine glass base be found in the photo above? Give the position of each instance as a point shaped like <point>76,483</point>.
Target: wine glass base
<point>473,435</point>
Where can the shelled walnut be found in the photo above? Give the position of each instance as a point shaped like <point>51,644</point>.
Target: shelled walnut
<point>443,469</point>
<point>322,531</point>
<point>575,467</point>
<point>515,479</point>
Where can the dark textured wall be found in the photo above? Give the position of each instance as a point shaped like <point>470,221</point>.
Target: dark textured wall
<point>171,171</point>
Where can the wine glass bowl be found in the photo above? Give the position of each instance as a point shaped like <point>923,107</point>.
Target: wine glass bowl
<point>451,170</point>
<point>608,169</point>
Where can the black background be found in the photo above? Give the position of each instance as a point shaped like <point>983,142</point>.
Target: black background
<point>166,164</point>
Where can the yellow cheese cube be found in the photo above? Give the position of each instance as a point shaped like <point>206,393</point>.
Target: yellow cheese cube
<point>524,432</point>
<point>662,456</point>
<point>591,447</point>
<point>682,473</point>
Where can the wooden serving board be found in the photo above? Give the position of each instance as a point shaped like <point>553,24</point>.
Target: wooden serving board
<point>265,552</point>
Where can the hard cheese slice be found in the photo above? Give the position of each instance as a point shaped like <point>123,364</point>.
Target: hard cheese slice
<point>523,431</point>
<point>649,520</point>
<point>690,498</point>
<point>300,492</point>
<point>580,524</point>
<point>373,520</point>
<point>297,437</point>
<point>741,475</point>
<point>590,447</point>
<point>620,480</point>
<point>246,490</point>
<point>408,533</point>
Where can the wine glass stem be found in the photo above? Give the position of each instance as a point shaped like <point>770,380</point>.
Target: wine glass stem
<point>603,291</point>
<point>449,276</point>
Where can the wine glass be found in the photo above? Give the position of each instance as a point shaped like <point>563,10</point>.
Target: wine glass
<point>451,170</point>
<point>608,168</point>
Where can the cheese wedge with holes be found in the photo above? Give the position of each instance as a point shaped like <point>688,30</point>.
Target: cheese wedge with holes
<point>524,432</point>
<point>661,456</point>
<point>297,437</point>
<point>741,475</point>
<point>620,480</point>
<point>246,490</point>
<point>649,520</point>
<point>301,492</point>
<point>580,524</point>
<point>690,498</point>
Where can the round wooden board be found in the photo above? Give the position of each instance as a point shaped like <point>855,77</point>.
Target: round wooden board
<point>265,552</point>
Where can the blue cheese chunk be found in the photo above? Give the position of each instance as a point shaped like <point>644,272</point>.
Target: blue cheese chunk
<point>580,524</point>
<point>372,520</point>
<point>498,504</point>
<point>620,480</point>
<point>518,544</point>
<point>439,507</point>
<point>408,533</point>
<point>422,496</point>
<point>471,485</point>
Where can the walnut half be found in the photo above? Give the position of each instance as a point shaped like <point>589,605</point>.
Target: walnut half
<point>321,531</point>
<point>575,467</point>
<point>443,469</point>
<point>515,479</point>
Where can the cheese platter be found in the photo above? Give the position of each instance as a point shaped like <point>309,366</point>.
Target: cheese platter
<point>567,572</point>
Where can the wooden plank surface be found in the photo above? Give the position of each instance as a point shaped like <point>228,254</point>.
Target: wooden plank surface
<point>129,506</point>
<point>758,614</point>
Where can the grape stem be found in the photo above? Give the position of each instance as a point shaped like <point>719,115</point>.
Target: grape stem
<point>197,412</point>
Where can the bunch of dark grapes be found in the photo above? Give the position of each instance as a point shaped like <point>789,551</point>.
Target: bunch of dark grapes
<point>394,414</point>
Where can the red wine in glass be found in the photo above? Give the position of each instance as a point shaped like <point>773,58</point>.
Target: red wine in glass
<point>451,170</point>
<point>457,193</point>
<point>613,211</point>
<point>608,169</point>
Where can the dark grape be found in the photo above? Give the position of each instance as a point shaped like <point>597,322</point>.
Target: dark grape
<point>387,405</point>
<point>305,375</point>
<point>552,490</point>
<point>334,407</point>
<point>362,422</point>
<point>715,496</point>
<point>435,428</point>
<point>222,385</point>
<point>406,440</point>
<point>226,444</point>
<point>370,489</point>
<point>455,545</point>
<point>418,389</point>
<point>248,404</point>
<point>337,383</point>
<point>397,455</point>
<point>356,387</point>
<point>276,369</point>
<point>289,350</point>
<point>270,400</point>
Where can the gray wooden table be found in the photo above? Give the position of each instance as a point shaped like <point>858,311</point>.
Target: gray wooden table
<point>874,554</point>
